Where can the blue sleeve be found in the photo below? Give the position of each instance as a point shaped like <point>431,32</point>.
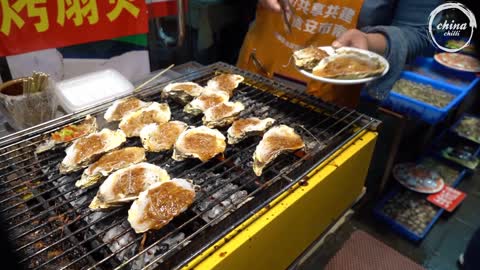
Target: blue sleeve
<point>407,37</point>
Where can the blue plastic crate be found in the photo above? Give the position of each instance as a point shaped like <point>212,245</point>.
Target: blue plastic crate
<point>421,110</point>
<point>429,69</point>
<point>400,228</point>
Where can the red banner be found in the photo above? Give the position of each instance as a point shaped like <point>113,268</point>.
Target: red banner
<point>448,199</point>
<point>29,25</point>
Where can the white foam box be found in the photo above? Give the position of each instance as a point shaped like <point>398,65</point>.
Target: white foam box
<point>92,88</point>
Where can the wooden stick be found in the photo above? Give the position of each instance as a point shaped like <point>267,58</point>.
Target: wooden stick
<point>153,78</point>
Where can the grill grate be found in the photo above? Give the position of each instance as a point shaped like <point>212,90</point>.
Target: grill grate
<point>48,217</point>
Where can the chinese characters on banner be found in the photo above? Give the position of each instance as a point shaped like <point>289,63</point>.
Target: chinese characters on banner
<point>448,199</point>
<point>319,10</point>
<point>29,25</point>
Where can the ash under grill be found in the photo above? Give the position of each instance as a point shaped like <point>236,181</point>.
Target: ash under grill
<point>52,228</point>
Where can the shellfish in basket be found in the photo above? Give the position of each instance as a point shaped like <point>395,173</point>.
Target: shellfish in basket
<point>207,99</point>
<point>274,142</point>
<point>201,142</point>
<point>222,114</point>
<point>243,128</point>
<point>133,122</point>
<point>110,162</point>
<point>182,91</point>
<point>68,134</point>
<point>86,149</point>
<point>161,137</point>
<point>126,184</point>
<point>225,82</point>
<point>122,107</point>
<point>160,203</point>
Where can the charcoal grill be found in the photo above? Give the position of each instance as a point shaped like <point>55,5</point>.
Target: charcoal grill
<point>51,226</point>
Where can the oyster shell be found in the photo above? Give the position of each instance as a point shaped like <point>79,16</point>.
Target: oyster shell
<point>349,64</point>
<point>68,134</point>
<point>274,142</point>
<point>110,162</point>
<point>182,91</point>
<point>161,137</point>
<point>133,122</point>
<point>243,128</point>
<point>201,142</point>
<point>309,57</point>
<point>207,99</point>
<point>126,184</point>
<point>225,82</point>
<point>86,149</point>
<point>159,204</point>
<point>222,114</point>
<point>122,107</point>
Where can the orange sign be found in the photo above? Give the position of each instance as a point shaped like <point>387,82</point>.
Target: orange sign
<point>29,25</point>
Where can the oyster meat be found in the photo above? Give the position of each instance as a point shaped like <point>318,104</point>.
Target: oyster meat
<point>274,142</point>
<point>159,204</point>
<point>309,57</point>
<point>126,184</point>
<point>86,149</point>
<point>122,107</point>
<point>68,134</point>
<point>201,142</point>
<point>349,64</point>
<point>225,82</point>
<point>243,128</point>
<point>183,91</point>
<point>222,114</point>
<point>207,99</point>
<point>161,137</point>
<point>133,122</point>
<point>110,162</point>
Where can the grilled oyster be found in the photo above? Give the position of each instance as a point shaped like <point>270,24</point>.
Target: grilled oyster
<point>126,184</point>
<point>243,128</point>
<point>207,99</point>
<point>349,64</point>
<point>183,91</point>
<point>161,137</point>
<point>86,149</point>
<point>275,141</point>
<point>202,142</point>
<point>110,162</point>
<point>133,122</point>
<point>122,107</point>
<point>309,57</point>
<point>68,134</point>
<point>225,82</point>
<point>159,204</point>
<point>222,114</point>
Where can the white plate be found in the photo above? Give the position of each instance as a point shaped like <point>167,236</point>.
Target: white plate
<point>331,51</point>
<point>458,61</point>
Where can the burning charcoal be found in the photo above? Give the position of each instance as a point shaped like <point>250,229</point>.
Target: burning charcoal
<point>238,196</point>
<point>202,206</point>
<point>223,192</point>
<point>226,203</point>
<point>121,241</point>
<point>215,211</point>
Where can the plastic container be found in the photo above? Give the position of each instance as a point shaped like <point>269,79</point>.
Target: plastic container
<point>452,129</point>
<point>402,229</point>
<point>418,109</point>
<point>431,70</point>
<point>448,138</point>
<point>93,88</point>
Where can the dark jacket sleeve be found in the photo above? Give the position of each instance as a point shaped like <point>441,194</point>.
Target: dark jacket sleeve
<point>407,37</point>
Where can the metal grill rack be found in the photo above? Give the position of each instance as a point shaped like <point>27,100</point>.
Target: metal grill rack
<point>52,228</point>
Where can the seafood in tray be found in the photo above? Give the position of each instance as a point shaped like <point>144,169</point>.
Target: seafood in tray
<point>202,142</point>
<point>469,127</point>
<point>133,122</point>
<point>222,114</point>
<point>423,92</point>
<point>245,127</point>
<point>122,107</point>
<point>161,137</point>
<point>340,66</point>
<point>182,91</point>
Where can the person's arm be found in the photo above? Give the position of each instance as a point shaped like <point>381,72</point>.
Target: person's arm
<point>399,42</point>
